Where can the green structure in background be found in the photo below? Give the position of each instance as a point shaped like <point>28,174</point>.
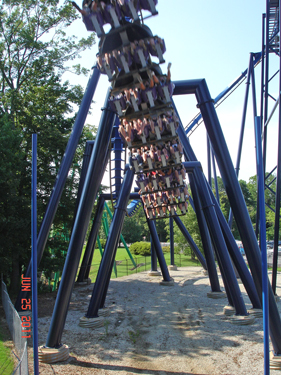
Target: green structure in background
<point>106,229</point>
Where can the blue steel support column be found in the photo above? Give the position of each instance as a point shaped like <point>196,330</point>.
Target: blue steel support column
<point>278,184</point>
<point>266,83</point>
<point>278,196</point>
<point>34,254</point>
<point>205,235</point>
<point>172,249</point>
<point>255,114</point>
<point>265,283</point>
<point>215,177</point>
<point>153,256</point>
<point>86,159</point>
<point>205,238</point>
<point>236,256</point>
<point>158,250</point>
<point>239,153</point>
<point>117,148</point>
<point>220,245</point>
<point>190,241</point>
<point>102,302</point>
<point>93,180</point>
<point>233,190</point>
<point>62,174</point>
<point>209,161</point>
<point>226,267</point>
<point>105,269</point>
<point>90,248</point>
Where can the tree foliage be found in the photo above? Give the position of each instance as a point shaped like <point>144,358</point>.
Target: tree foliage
<point>35,51</point>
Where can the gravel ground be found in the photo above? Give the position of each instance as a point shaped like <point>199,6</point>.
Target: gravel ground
<point>157,330</point>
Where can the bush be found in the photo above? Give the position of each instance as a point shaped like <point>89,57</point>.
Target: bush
<point>102,242</point>
<point>166,249</point>
<point>140,248</point>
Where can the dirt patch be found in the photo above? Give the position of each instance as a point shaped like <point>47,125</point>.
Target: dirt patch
<point>157,330</point>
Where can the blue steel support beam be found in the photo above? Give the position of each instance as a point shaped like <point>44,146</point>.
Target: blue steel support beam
<point>192,244</point>
<point>233,190</point>
<point>215,176</point>
<point>236,256</point>
<point>117,149</point>
<point>230,282</point>
<point>90,248</point>
<point>278,185</point>
<point>153,255</point>
<point>220,245</point>
<point>267,43</point>
<point>205,237</point>
<point>106,266</point>
<point>92,183</point>
<point>62,175</point>
<point>242,129</point>
<point>158,250</point>
<point>34,255</point>
<point>172,248</point>
<point>255,114</point>
<point>209,165</point>
<point>265,283</point>
<point>226,91</point>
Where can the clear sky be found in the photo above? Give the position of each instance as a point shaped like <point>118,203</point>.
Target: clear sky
<point>210,40</point>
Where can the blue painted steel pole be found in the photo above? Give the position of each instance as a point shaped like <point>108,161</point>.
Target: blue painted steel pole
<point>90,248</point>
<point>192,244</point>
<point>239,152</point>
<point>235,196</point>
<point>263,244</point>
<point>158,250</point>
<point>34,254</point>
<point>172,247</point>
<point>153,256</point>
<point>215,177</point>
<point>117,149</point>
<point>212,221</point>
<point>106,266</point>
<point>266,82</point>
<point>236,256</point>
<point>92,183</point>
<point>209,161</point>
<point>205,235</point>
<point>62,175</point>
<point>278,185</point>
<point>255,114</point>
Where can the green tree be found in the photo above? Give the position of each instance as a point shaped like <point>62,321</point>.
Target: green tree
<point>35,51</point>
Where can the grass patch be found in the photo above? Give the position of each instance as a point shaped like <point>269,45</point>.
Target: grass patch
<point>125,267</point>
<point>6,359</point>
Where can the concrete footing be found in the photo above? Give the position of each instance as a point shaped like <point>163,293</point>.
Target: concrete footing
<point>228,310</point>
<point>53,355</point>
<point>216,295</point>
<point>104,312</point>
<point>274,361</point>
<point>242,320</point>
<point>167,283</point>
<point>256,312</point>
<point>172,267</point>
<point>154,273</point>
<point>91,322</point>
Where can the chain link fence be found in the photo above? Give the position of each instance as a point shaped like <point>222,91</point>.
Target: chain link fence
<point>15,327</point>
<point>125,267</point>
